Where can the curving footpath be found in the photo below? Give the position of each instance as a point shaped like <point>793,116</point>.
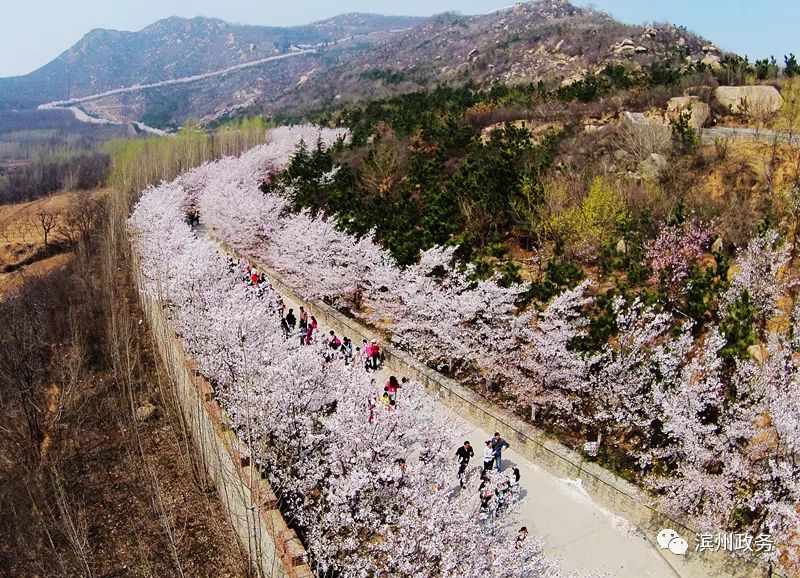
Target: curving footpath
<point>569,502</point>
<point>713,134</point>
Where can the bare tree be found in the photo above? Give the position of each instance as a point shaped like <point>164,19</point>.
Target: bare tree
<point>477,220</point>
<point>640,140</point>
<point>23,361</point>
<point>81,220</point>
<point>758,110</point>
<point>47,221</point>
<point>378,172</point>
<point>71,520</point>
<point>789,123</point>
<point>525,209</point>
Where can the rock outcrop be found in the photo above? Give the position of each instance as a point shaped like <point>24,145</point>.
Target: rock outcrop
<point>712,61</point>
<point>749,99</point>
<point>700,110</point>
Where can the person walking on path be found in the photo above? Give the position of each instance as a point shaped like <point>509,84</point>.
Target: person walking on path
<point>281,306</point>
<point>375,354</point>
<point>347,350</point>
<point>521,536</point>
<point>367,349</point>
<point>488,456</point>
<point>464,453</point>
<point>515,476</point>
<point>303,317</point>
<point>291,320</point>
<point>498,443</point>
<point>391,390</point>
<point>334,342</point>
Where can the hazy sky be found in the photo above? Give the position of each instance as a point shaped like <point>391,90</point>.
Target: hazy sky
<point>33,32</point>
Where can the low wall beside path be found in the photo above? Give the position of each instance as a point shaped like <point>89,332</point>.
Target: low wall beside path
<point>273,549</point>
<point>605,488</point>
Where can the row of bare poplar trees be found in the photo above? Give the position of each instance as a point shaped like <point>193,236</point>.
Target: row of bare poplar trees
<point>76,366</point>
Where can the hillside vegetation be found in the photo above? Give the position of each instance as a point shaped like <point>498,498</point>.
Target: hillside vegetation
<point>542,203</point>
<point>660,272</point>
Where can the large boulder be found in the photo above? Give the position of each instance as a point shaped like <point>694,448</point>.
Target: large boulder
<point>700,110</point>
<point>653,167</point>
<point>749,99</point>
<point>623,49</point>
<point>712,61</point>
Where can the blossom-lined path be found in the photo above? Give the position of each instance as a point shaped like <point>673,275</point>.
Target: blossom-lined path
<point>584,535</point>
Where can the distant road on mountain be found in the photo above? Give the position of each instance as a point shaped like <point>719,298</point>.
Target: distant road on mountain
<point>206,70</point>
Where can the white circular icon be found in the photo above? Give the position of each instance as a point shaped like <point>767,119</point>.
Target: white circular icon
<point>670,539</point>
<point>678,546</point>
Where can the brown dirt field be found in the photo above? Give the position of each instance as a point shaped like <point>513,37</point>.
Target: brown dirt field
<point>18,221</point>
<point>123,532</point>
<point>22,238</point>
<point>13,280</point>
<point>112,493</point>
<point>140,507</point>
<point>16,213</point>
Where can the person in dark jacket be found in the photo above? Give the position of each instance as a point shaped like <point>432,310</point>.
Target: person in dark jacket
<point>464,453</point>
<point>291,320</point>
<point>498,443</point>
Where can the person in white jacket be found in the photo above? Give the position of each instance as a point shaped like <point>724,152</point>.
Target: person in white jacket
<point>488,456</point>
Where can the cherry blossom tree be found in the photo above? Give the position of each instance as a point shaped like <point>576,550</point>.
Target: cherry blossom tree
<point>716,441</point>
<point>676,248</point>
<point>757,272</point>
<point>373,489</point>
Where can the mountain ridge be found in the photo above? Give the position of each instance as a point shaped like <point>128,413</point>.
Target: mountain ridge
<point>106,59</point>
<point>354,55</point>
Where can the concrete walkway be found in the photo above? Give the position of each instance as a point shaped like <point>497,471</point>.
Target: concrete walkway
<point>582,534</point>
<point>710,135</point>
<point>576,530</point>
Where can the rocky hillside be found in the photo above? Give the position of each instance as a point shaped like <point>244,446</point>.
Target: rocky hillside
<point>354,56</point>
<point>550,41</point>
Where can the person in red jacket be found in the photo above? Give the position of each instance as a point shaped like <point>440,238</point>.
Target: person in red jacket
<point>374,354</point>
<point>367,351</point>
<point>391,390</point>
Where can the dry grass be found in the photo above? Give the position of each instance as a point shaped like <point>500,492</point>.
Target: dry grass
<point>22,251</point>
<point>15,279</point>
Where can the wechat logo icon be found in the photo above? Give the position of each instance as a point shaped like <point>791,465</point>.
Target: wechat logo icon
<point>670,539</point>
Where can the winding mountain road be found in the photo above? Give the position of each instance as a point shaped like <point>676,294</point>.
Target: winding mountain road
<point>71,104</point>
<point>711,135</point>
<point>172,82</point>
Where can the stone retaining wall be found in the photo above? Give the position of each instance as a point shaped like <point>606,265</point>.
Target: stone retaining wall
<point>605,488</point>
<point>273,549</point>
